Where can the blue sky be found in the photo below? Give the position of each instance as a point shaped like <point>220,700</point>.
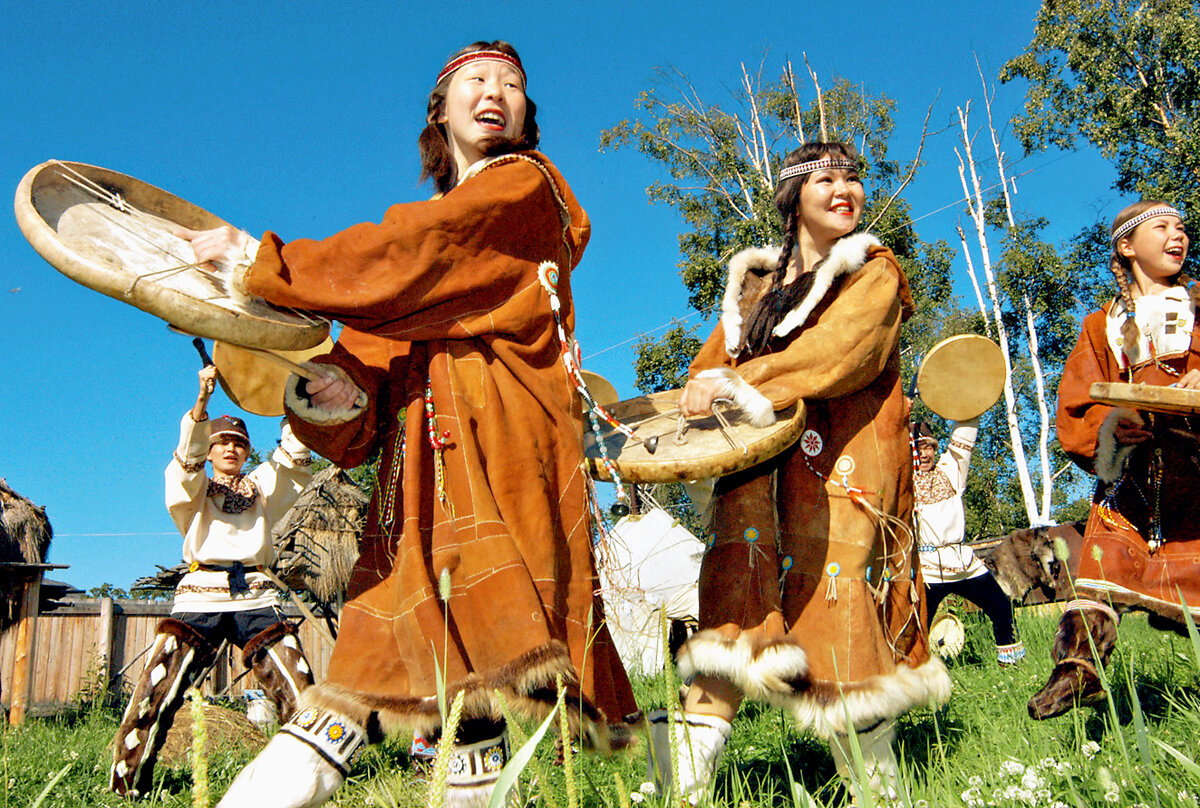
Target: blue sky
<point>302,117</point>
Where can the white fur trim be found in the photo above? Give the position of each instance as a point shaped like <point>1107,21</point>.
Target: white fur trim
<point>697,746</point>
<point>756,407</point>
<point>731,311</point>
<point>319,415</point>
<point>848,255</point>
<point>875,700</point>
<point>761,675</point>
<point>1111,458</point>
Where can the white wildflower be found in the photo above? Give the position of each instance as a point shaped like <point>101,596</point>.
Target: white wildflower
<point>1047,763</point>
<point>1032,780</point>
<point>1089,749</point>
<point>1111,796</point>
<point>1013,767</point>
<point>972,798</point>
<point>921,804</point>
<point>647,788</point>
<point>1063,768</point>
<point>637,796</point>
<point>975,781</point>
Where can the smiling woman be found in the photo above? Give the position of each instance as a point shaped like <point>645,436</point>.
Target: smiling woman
<point>476,573</point>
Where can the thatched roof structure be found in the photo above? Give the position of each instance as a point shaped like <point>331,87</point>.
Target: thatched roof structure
<point>25,535</point>
<point>316,542</point>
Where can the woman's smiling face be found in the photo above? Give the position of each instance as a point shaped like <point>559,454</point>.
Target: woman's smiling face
<point>485,101</point>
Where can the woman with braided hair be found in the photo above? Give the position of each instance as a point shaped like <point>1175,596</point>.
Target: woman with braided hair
<point>1142,537</point>
<point>810,592</point>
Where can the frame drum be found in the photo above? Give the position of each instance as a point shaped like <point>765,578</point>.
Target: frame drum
<point>962,377</point>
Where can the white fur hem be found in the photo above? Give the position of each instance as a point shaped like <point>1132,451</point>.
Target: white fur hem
<point>1110,457</point>
<point>773,670</point>
<point>731,312</point>
<point>848,255</point>
<point>756,407</point>
<point>319,415</point>
<point>865,704</point>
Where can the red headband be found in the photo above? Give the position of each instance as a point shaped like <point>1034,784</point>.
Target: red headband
<point>481,56</point>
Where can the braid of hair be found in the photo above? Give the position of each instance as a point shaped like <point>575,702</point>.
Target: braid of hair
<point>789,244</point>
<point>1129,329</point>
<point>1193,288</point>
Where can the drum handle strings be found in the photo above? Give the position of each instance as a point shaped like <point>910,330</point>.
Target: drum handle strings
<point>151,222</point>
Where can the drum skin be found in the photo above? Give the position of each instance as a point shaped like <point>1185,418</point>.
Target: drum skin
<point>117,236</point>
<point>962,377</point>
<point>706,451</point>
<point>255,383</point>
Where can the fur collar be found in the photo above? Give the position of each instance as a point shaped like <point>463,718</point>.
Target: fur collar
<point>848,255</point>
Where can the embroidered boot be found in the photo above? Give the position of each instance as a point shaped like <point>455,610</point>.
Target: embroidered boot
<point>304,763</point>
<point>275,656</point>
<point>879,761</point>
<point>688,761</point>
<point>178,655</point>
<point>1010,655</point>
<point>474,769</point>
<point>1074,679</point>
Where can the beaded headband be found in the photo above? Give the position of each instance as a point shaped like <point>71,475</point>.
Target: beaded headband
<point>1159,210</point>
<point>481,56</point>
<point>816,165</point>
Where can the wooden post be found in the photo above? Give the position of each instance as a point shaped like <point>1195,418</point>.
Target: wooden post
<point>22,678</point>
<point>104,648</point>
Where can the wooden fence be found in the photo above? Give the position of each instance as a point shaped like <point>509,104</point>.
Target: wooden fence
<point>94,645</point>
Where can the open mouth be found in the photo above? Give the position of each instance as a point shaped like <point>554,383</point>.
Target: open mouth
<point>1175,252</point>
<point>491,120</point>
<point>843,209</point>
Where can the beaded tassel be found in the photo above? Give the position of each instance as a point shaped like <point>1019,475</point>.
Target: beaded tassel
<point>1156,472</point>
<point>387,509</point>
<point>548,276</point>
<point>438,443</point>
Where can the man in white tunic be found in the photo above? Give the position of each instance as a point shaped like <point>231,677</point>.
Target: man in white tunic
<point>225,595</point>
<point>948,565</point>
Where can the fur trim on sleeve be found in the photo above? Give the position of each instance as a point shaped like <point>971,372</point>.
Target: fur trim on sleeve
<point>848,255</point>
<point>756,407</point>
<point>300,403</point>
<point>1111,457</point>
<point>731,311</point>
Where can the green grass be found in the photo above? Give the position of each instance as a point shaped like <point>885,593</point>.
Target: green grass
<point>981,749</point>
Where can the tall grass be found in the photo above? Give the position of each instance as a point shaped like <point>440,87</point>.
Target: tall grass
<point>1139,748</point>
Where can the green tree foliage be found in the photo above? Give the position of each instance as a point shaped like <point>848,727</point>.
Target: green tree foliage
<point>1125,76</point>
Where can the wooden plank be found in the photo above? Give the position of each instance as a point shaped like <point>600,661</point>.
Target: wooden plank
<point>23,673</point>
<point>104,644</point>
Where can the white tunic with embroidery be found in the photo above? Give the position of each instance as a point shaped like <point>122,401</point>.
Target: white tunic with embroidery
<point>214,537</point>
<point>941,524</point>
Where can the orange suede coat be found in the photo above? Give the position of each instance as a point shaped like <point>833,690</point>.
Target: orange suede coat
<point>446,294</point>
<point>1117,564</point>
<point>811,588</point>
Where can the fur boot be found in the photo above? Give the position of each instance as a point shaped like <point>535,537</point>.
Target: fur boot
<point>178,655</point>
<point>304,763</point>
<point>1074,679</point>
<point>275,656</point>
<point>474,770</point>
<point>689,766</point>
<point>879,761</point>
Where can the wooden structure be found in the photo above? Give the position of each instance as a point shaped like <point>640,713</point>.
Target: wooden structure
<point>92,648</point>
<point>26,581</point>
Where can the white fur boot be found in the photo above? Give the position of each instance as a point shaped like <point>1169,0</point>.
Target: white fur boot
<point>303,764</point>
<point>879,761</point>
<point>698,744</point>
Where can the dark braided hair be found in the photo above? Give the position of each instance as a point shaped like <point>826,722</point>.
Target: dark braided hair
<point>775,305</point>
<point>434,144</point>
<point>1122,270</point>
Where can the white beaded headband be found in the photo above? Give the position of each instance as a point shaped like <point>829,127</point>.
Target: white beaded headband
<point>816,165</point>
<point>481,56</point>
<point>1159,210</point>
